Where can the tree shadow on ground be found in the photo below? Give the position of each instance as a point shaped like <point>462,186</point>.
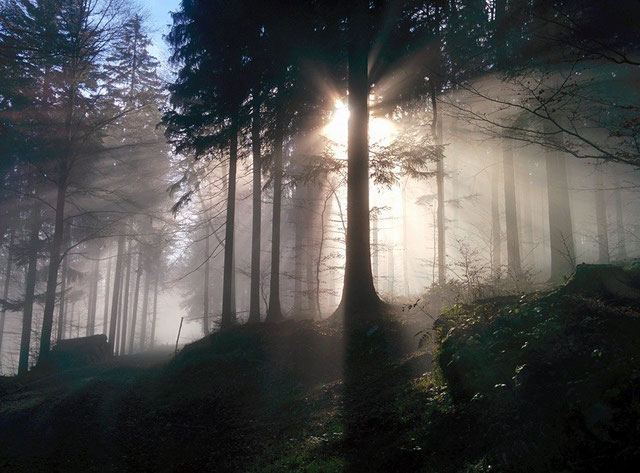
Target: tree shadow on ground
<point>377,369</point>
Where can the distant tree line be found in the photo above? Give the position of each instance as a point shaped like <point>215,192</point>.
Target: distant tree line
<point>79,104</point>
<point>91,138</point>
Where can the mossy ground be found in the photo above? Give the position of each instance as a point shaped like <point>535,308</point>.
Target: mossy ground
<point>546,382</point>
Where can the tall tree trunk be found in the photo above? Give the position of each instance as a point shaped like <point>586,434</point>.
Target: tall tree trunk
<point>511,216</point>
<point>125,307</point>
<point>496,231</point>
<point>121,291</point>
<point>323,232</point>
<point>621,243</point>
<point>234,282</point>
<point>205,302</point>
<point>7,285</point>
<point>117,283</point>
<point>107,284</point>
<point>560,225</point>
<point>525,210</point>
<point>90,298</point>
<point>145,311</point>
<point>274,311</point>
<point>391,271</point>
<point>63,298</point>
<point>539,233</point>
<point>358,294</point>
<point>68,324</point>
<point>54,263</point>
<point>155,310</point>
<point>93,290</point>
<point>376,251</point>
<point>436,130</point>
<point>300,229</point>
<point>73,310</point>
<point>77,322</point>
<point>405,242</point>
<point>256,147</point>
<point>30,286</point>
<point>310,279</point>
<point>228,314</point>
<point>134,311</point>
<point>602,234</point>
<point>4,223</point>
<point>94,282</point>
<point>116,348</point>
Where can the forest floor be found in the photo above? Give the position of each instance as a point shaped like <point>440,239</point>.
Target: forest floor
<point>540,382</point>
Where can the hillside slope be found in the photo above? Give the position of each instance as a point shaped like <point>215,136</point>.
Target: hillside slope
<point>543,382</point>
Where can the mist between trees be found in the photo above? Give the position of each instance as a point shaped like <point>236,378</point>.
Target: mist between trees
<point>300,159</point>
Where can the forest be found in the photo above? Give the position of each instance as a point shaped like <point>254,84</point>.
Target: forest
<point>319,236</point>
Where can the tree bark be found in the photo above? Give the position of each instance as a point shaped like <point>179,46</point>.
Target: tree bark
<point>391,270</point>
<point>205,302</point>
<point>116,348</point>
<point>121,291</point>
<point>145,311</point>
<point>602,236</point>
<point>621,244</point>
<point>134,312</point>
<point>310,268</point>
<point>405,242</point>
<point>496,231</point>
<point>155,310</point>
<point>323,231</point>
<point>560,225</point>
<point>358,294</point>
<point>7,285</point>
<point>54,263</point>
<point>107,284</point>
<point>300,229</point>
<point>228,312</point>
<point>117,282</point>
<point>90,298</point>
<point>526,241</point>
<point>125,307</point>
<point>234,299</point>
<point>71,316</point>
<point>63,298</point>
<point>511,215</point>
<point>376,252</point>
<point>274,311</point>
<point>436,130</point>
<point>93,300</point>
<point>256,229</point>
<point>30,286</point>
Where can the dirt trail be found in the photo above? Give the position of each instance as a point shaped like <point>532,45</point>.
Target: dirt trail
<point>40,414</point>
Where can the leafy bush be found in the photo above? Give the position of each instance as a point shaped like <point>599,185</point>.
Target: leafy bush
<point>553,380</point>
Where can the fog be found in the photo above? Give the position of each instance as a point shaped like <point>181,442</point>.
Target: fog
<point>475,197</point>
<point>318,236</point>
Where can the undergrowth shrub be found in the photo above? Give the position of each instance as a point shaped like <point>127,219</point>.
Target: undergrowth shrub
<point>553,380</point>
